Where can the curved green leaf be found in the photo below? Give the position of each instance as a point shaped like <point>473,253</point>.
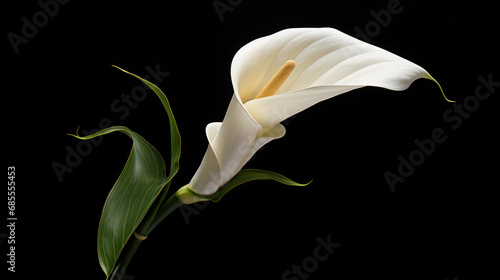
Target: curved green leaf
<point>175,137</point>
<point>247,175</point>
<point>188,196</point>
<point>137,187</point>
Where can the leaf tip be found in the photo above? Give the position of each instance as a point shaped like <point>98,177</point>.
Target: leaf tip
<point>76,133</point>
<point>306,184</point>
<point>118,68</point>
<point>428,76</point>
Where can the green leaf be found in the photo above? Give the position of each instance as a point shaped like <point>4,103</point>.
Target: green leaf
<point>188,196</point>
<point>142,180</point>
<point>247,175</point>
<point>175,137</point>
<point>137,187</point>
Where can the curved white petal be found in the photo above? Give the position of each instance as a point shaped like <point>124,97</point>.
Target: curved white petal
<point>231,145</point>
<point>276,132</point>
<point>235,139</point>
<point>206,180</point>
<point>271,111</point>
<point>328,63</point>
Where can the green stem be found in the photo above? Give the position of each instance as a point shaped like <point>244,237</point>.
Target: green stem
<point>125,258</point>
<point>142,228</point>
<point>165,209</point>
<point>159,213</point>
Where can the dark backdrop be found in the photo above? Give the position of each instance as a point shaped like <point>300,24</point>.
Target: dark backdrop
<point>437,224</point>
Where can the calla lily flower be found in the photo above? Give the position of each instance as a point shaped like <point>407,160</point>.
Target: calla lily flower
<point>280,75</point>
<point>273,77</point>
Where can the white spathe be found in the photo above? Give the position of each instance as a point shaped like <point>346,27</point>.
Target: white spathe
<point>328,63</point>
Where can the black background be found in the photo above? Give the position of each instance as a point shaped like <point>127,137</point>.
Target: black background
<point>438,224</point>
